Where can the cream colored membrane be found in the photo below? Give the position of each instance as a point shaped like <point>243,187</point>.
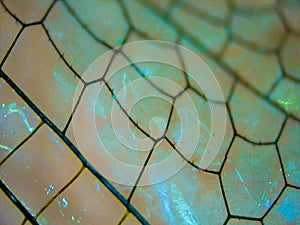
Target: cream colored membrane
<point>142,18</point>
<point>78,47</point>
<point>245,26</point>
<point>9,213</point>
<point>188,197</point>
<point>289,145</point>
<point>260,70</point>
<point>212,37</point>
<point>290,55</point>
<point>91,204</point>
<point>224,79</point>
<point>242,222</point>
<point>28,11</point>
<point>17,120</point>
<point>95,136</point>
<point>44,78</point>
<point>252,178</point>
<point>203,120</point>
<point>123,189</point>
<point>286,209</point>
<point>40,168</point>
<point>251,114</point>
<point>8,31</point>
<point>163,165</point>
<point>214,8</point>
<point>112,31</point>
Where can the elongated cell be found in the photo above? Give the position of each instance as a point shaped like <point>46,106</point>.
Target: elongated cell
<point>8,31</point>
<point>71,39</point>
<point>49,84</point>
<point>41,167</point>
<point>142,18</point>
<point>89,205</point>
<point>215,8</point>
<point>9,214</point>
<point>17,120</point>
<point>212,37</point>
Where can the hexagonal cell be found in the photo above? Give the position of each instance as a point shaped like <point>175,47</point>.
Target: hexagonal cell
<point>203,120</point>
<point>251,114</point>
<point>8,31</point>
<point>28,11</point>
<point>224,79</point>
<point>213,37</point>
<point>289,145</point>
<point>252,178</point>
<point>287,94</point>
<point>85,201</point>
<point>258,69</point>
<point>141,99</point>
<point>290,55</point>
<point>112,30</point>
<point>44,78</point>
<point>79,48</point>
<point>242,222</point>
<point>32,172</point>
<point>286,210</point>
<point>143,18</point>
<point>9,213</point>
<point>291,14</point>
<point>17,120</point>
<point>254,4</point>
<point>215,8</point>
<point>245,26</point>
<point>190,195</point>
